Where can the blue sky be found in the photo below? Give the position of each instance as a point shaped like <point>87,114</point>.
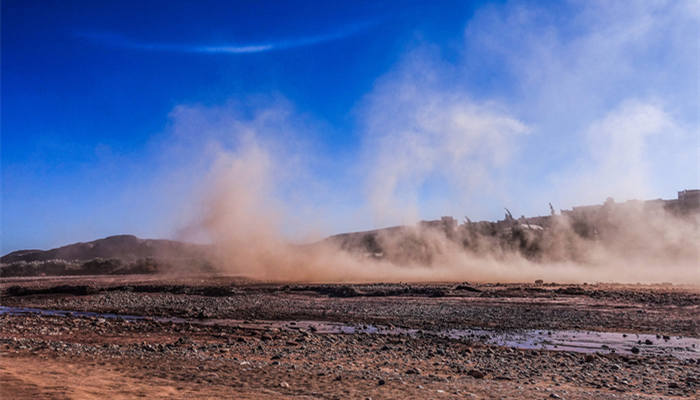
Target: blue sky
<point>114,114</point>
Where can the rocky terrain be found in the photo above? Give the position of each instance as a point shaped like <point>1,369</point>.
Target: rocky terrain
<point>213,337</point>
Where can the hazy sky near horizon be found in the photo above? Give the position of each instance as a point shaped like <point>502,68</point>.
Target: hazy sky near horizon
<point>374,113</point>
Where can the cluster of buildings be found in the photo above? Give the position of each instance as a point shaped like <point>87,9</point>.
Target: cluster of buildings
<point>687,202</point>
<point>523,234</point>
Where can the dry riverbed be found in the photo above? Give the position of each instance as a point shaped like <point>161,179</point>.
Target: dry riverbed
<point>213,337</point>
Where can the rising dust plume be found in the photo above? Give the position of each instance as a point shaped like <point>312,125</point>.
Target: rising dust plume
<point>244,220</point>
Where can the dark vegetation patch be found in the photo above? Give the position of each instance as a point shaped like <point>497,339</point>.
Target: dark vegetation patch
<point>83,290</point>
<point>76,290</point>
<point>101,266</point>
<point>660,297</point>
<point>466,287</point>
<point>212,291</point>
<point>572,290</point>
<point>372,290</point>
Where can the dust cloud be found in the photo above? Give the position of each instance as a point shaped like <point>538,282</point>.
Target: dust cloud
<point>622,242</point>
<point>428,148</point>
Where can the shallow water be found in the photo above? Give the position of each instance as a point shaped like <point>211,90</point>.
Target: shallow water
<point>558,340</point>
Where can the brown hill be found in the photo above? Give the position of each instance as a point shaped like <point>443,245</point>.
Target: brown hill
<point>122,247</point>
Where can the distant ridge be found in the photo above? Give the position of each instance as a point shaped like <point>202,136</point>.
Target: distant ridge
<point>123,247</point>
<point>536,238</point>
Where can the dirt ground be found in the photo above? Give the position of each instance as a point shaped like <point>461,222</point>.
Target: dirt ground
<point>222,337</point>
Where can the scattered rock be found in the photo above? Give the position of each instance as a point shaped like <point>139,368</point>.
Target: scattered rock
<point>476,374</point>
<point>464,286</point>
<point>414,371</point>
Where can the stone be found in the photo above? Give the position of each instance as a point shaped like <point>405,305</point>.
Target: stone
<point>476,374</point>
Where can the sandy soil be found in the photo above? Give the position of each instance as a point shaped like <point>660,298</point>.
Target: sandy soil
<point>76,356</point>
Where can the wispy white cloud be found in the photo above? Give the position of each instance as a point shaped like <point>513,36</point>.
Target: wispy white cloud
<point>116,40</point>
<point>609,89</point>
<point>609,99</point>
<point>422,140</point>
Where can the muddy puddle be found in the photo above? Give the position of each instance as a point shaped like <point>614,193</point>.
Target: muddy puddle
<point>557,340</point>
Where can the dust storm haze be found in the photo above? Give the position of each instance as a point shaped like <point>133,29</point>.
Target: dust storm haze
<point>427,147</point>
<point>357,200</point>
<point>579,128</point>
<point>244,216</point>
